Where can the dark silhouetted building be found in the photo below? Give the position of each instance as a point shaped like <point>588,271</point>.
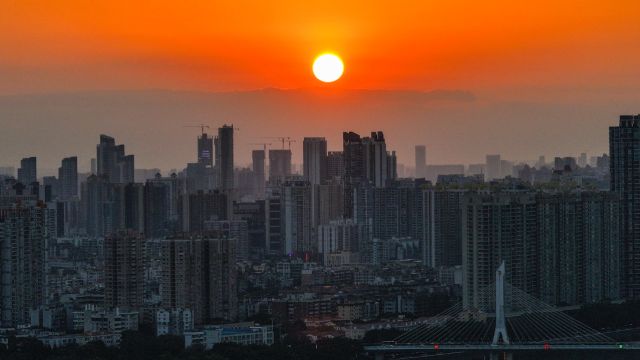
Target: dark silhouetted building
<point>199,273</point>
<point>28,173</point>
<point>624,150</point>
<point>258,163</point>
<point>279,165</point>
<point>335,165</point>
<point>124,270</point>
<point>68,178</point>
<point>421,161</point>
<point>205,150</point>
<point>113,163</point>
<point>315,160</point>
<point>23,237</point>
<point>224,157</point>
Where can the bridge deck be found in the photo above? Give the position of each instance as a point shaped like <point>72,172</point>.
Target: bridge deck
<point>397,348</point>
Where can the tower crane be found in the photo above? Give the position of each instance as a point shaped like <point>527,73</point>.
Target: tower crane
<point>283,139</point>
<point>201,126</point>
<point>264,145</point>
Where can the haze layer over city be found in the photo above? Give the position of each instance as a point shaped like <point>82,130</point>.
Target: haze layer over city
<point>337,180</point>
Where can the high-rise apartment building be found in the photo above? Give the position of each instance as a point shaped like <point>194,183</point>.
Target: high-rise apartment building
<point>205,150</point>
<point>253,212</point>
<point>199,274</point>
<point>340,236</point>
<point>297,224</point>
<point>329,202</point>
<point>161,206</point>
<point>376,164</point>
<point>124,270</point>
<point>224,157</point>
<point>28,171</point>
<point>23,237</point>
<point>579,257</point>
<point>234,230</point>
<point>315,160</point>
<point>421,161</point>
<point>493,167</point>
<point>354,172</point>
<point>335,165</point>
<point>498,226</point>
<point>97,205</point>
<point>68,178</point>
<point>624,152</point>
<point>559,246</point>
<point>204,206</point>
<point>279,165</point>
<point>274,244</point>
<point>442,228</point>
<point>258,168</point>
<point>128,207</point>
<point>113,163</point>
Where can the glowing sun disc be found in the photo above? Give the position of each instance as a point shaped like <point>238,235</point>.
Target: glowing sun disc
<point>328,68</point>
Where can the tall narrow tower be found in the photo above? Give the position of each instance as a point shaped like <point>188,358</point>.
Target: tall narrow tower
<point>501,324</point>
<point>224,157</point>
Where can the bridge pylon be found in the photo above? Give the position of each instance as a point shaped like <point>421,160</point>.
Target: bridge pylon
<point>500,332</point>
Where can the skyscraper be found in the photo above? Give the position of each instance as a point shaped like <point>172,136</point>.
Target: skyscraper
<point>234,230</point>
<point>23,233</point>
<point>375,157</point>
<point>128,207</point>
<point>68,178</point>
<point>498,226</point>
<point>330,202</point>
<point>335,165</point>
<point>624,150</point>
<point>315,159</point>
<point>421,161</point>
<point>113,163</point>
<point>199,274</point>
<point>224,157</point>
<point>97,205</point>
<point>27,173</point>
<point>124,270</point>
<point>205,150</point>
<point>258,158</point>
<point>297,222</point>
<point>579,246</point>
<point>442,228</point>
<point>365,160</point>
<point>161,206</point>
<point>204,206</point>
<point>273,221</point>
<point>354,170</point>
<point>279,165</point>
<point>493,167</point>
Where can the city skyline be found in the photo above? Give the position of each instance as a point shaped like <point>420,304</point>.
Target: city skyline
<point>48,161</point>
<point>477,78</point>
<point>331,180</point>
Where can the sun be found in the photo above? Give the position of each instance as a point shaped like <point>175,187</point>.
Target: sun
<point>328,68</point>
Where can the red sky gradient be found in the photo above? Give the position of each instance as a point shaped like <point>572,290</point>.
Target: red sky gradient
<point>240,45</point>
<point>540,77</point>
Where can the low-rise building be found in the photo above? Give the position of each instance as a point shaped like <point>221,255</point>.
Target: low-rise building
<point>245,335</point>
<point>173,321</point>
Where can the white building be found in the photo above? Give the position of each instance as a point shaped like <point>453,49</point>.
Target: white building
<point>244,335</point>
<point>173,321</point>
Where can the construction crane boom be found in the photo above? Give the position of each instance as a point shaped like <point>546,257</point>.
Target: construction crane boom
<point>201,126</point>
<point>263,144</point>
<point>283,139</point>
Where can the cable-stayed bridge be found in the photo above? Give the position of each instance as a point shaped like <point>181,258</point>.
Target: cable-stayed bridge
<point>503,320</point>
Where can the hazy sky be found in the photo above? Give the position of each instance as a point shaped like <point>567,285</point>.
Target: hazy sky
<point>520,78</point>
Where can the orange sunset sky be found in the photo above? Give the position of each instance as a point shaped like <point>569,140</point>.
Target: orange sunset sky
<point>546,58</point>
